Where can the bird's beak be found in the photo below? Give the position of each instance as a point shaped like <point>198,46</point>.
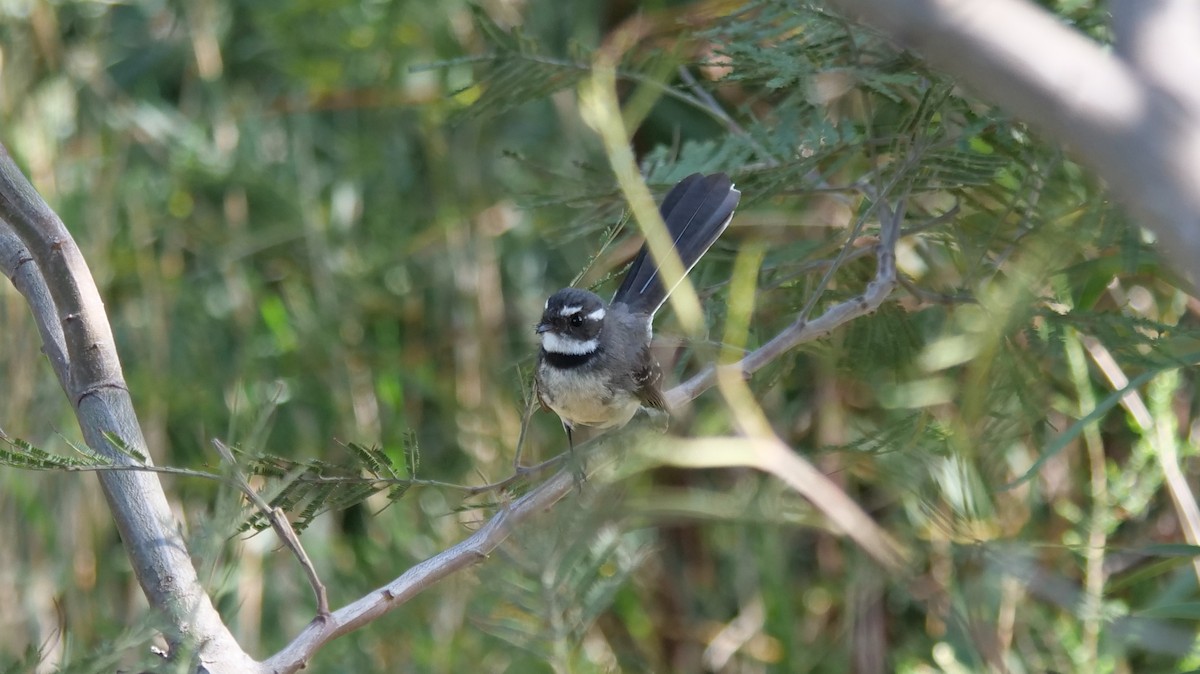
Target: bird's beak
<point>542,328</point>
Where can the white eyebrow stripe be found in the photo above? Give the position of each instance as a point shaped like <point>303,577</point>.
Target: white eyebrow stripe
<point>596,315</point>
<point>570,310</point>
<point>565,345</point>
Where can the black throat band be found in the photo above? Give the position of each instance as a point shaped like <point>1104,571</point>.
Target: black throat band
<point>567,361</point>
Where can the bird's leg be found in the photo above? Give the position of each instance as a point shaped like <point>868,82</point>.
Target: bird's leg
<point>576,463</point>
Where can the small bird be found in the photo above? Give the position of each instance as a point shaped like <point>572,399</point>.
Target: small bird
<point>594,366</point>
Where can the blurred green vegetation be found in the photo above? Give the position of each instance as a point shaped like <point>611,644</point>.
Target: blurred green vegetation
<point>324,222</point>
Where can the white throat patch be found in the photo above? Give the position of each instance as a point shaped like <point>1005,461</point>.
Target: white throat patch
<point>565,345</point>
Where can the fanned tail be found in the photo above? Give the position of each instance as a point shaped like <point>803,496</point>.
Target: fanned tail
<point>697,210</point>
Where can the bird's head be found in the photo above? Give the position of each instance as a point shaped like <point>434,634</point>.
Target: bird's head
<point>571,322</point>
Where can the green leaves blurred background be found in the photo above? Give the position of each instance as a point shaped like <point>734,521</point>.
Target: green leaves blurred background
<point>321,222</point>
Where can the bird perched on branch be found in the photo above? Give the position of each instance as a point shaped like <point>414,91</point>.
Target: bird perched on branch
<point>594,366</point>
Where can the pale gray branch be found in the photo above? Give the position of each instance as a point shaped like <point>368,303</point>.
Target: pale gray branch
<point>17,264</point>
<point>1161,38</point>
<point>1109,113</point>
<point>46,265</point>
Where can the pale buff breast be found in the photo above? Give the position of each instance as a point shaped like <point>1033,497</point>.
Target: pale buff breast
<point>585,398</point>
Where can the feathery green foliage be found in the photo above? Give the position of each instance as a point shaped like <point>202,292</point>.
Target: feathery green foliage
<point>323,231</point>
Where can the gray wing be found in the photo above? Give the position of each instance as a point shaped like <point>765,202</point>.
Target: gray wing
<point>648,379</point>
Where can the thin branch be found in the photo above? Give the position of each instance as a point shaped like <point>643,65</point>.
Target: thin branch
<point>519,473</point>
<point>530,406</point>
<point>858,251</point>
<point>584,68</point>
<point>776,458</point>
<point>1099,517</point>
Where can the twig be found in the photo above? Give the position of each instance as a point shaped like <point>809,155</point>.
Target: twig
<point>587,68</point>
<point>710,105</point>
<point>931,297</point>
<point>860,251</point>
<point>530,406</point>
<point>282,527</point>
<point>519,473</point>
<point>771,455</point>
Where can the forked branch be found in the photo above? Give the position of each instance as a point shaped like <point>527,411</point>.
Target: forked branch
<point>46,266</point>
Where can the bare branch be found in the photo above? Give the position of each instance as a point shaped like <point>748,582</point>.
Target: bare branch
<point>1161,38</point>
<point>66,304</point>
<point>17,265</point>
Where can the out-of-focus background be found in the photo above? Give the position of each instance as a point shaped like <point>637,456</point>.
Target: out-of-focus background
<point>322,222</point>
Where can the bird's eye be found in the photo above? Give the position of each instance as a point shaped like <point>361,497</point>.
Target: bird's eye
<point>576,320</point>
